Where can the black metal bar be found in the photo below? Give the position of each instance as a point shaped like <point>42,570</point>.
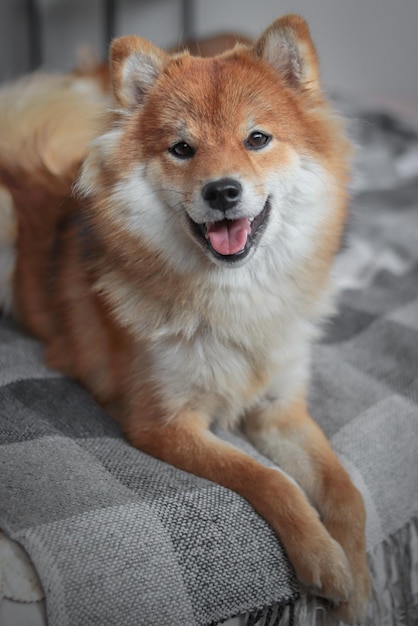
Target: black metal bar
<point>188,17</point>
<point>109,23</point>
<point>35,34</point>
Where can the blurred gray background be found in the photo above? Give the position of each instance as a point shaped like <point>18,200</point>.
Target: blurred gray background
<point>368,48</point>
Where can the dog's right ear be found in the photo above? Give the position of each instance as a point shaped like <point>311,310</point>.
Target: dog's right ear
<point>135,64</point>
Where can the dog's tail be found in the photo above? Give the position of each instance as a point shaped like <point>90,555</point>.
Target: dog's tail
<point>46,124</point>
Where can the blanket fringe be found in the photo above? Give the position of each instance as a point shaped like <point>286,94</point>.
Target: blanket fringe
<point>394,570</point>
<point>273,616</point>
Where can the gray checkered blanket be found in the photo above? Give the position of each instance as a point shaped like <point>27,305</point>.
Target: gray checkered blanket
<point>118,537</point>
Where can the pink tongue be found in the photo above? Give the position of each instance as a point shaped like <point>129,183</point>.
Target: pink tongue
<point>228,236</point>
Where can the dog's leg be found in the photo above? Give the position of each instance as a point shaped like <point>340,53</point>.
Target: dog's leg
<point>187,443</point>
<point>296,443</point>
<point>8,235</point>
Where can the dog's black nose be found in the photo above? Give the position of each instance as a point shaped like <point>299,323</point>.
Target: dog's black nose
<point>222,194</point>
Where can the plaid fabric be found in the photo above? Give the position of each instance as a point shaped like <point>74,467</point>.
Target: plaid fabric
<point>118,537</point>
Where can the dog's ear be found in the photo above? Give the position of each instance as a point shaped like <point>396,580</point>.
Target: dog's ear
<point>287,46</point>
<point>135,64</point>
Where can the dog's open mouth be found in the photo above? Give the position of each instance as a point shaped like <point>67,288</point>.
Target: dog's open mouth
<point>231,239</point>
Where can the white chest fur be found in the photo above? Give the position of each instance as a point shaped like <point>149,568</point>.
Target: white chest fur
<point>228,348</point>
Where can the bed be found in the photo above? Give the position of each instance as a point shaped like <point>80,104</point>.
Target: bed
<point>96,532</point>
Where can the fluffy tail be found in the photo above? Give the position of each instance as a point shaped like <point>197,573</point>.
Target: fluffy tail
<point>46,124</point>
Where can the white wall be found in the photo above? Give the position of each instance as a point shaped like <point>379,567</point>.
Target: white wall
<point>366,47</point>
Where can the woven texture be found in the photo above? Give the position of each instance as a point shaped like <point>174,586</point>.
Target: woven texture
<point>118,537</point>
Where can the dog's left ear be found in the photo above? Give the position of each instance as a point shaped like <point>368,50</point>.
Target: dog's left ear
<point>287,46</point>
<point>135,64</point>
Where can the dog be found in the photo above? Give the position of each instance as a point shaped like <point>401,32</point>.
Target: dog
<point>173,248</point>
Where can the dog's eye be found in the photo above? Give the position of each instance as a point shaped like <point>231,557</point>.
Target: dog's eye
<point>182,150</point>
<point>257,140</point>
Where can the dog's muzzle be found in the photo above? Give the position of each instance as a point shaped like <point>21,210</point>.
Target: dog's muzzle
<point>228,240</point>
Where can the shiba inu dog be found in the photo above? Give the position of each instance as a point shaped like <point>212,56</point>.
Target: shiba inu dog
<point>184,280</point>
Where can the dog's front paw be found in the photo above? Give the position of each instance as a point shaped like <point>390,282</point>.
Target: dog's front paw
<point>346,524</point>
<point>323,568</point>
<point>353,611</point>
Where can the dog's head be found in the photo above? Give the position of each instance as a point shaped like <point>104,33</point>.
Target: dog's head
<point>237,152</point>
